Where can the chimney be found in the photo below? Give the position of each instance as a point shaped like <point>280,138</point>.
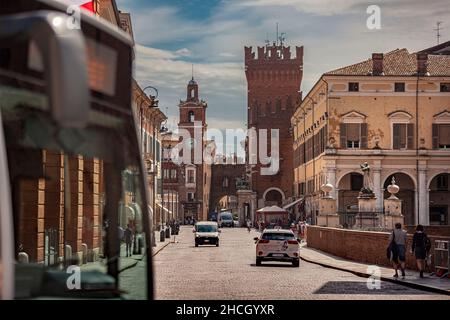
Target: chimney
<point>422,61</point>
<point>377,67</point>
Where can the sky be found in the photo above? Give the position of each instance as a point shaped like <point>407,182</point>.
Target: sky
<point>171,35</point>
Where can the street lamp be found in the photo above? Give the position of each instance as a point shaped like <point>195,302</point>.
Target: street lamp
<point>150,169</point>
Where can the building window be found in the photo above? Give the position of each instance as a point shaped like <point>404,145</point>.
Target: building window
<point>403,136</point>
<point>225,182</point>
<point>442,182</point>
<point>353,86</point>
<point>166,153</point>
<point>191,117</point>
<point>173,174</point>
<point>190,196</point>
<point>356,181</point>
<point>445,86</point>
<point>191,176</point>
<point>399,87</point>
<point>353,135</point>
<point>144,144</point>
<point>441,136</point>
<point>166,174</point>
<point>301,188</point>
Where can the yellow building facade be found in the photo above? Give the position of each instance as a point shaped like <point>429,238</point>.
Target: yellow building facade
<point>393,111</point>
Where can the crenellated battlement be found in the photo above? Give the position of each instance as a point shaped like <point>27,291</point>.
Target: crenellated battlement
<point>272,53</point>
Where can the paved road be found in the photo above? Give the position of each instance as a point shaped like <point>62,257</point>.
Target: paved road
<point>229,272</point>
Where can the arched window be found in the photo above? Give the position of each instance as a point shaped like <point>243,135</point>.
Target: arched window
<point>191,116</point>
<point>225,182</point>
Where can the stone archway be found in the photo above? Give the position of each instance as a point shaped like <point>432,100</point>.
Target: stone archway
<point>439,199</point>
<point>273,197</point>
<point>348,187</point>
<point>407,194</point>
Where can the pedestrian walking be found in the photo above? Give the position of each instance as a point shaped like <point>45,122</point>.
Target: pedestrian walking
<point>128,236</point>
<point>248,226</point>
<point>421,245</point>
<point>397,249</point>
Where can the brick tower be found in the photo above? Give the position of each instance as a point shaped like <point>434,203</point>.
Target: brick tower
<point>273,84</point>
<point>194,187</point>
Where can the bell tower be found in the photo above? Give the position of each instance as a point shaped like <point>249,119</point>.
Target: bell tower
<point>192,110</point>
<point>192,91</point>
<point>193,187</point>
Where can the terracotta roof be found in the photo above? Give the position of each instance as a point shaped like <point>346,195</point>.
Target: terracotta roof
<point>398,63</point>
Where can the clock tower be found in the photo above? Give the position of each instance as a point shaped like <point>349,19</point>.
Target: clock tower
<point>196,175</point>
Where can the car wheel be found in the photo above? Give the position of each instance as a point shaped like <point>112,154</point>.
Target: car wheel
<point>258,261</point>
<point>217,243</point>
<point>296,263</point>
<point>196,244</point>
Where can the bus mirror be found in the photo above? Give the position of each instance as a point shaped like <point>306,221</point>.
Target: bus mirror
<point>64,57</point>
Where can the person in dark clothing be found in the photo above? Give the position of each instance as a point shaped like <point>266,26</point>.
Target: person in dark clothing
<point>128,236</point>
<point>420,246</point>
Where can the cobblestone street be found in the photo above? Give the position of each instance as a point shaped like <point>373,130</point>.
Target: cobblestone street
<point>229,272</point>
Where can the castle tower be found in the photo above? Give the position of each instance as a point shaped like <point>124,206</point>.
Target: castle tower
<point>273,84</point>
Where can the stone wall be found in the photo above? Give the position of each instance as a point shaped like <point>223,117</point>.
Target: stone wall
<point>359,246</point>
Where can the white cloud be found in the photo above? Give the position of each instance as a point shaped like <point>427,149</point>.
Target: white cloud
<point>183,52</point>
<point>219,84</point>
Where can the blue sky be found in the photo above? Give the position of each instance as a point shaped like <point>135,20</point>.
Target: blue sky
<point>172,34</point>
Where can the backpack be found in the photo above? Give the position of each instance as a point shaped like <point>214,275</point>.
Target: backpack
<point>392,250</point>
<point>427,243</point>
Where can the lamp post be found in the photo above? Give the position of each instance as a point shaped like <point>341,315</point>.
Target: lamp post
<point>154,103</point>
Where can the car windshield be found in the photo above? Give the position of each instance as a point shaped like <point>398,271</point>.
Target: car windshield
<point>226,216</point>
<point>206,228</point>
<point>277,236</point>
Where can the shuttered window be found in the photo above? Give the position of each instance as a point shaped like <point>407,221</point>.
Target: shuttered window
<point>403,136</point>
<point>441,136</point>
<point>353,135</point>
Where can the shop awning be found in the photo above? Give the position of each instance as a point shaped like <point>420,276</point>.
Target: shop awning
<point>293,203</point>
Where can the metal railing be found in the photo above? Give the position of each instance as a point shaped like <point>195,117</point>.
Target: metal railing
<point>442,256</point>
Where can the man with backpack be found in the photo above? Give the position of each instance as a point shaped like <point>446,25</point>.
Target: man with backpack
<point>397,249</point>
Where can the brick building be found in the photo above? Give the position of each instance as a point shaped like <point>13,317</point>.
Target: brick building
<point>273,80</point>
<point>223,185</point>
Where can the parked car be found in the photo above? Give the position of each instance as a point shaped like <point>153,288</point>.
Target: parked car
<point>206,232</point>
<point>277,245</point>
<point>226,219</point>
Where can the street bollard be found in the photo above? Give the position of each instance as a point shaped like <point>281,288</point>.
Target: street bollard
<point>168,232</point>
<point>162,236</point>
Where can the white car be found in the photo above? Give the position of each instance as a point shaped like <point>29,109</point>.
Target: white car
<point>278,245</point>
<point>206,232</point>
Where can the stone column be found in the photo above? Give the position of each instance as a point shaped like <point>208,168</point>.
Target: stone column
<point>377,188</point>
<point>424,217</point>
<point>331,176</point>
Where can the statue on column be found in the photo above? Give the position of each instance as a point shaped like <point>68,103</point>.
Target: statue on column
<point>367,189</point>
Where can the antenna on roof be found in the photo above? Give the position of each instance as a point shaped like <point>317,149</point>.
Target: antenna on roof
<point>192,71</point>
<point>267,41</point>
<point>438,29</point>
<point>277,34</point>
